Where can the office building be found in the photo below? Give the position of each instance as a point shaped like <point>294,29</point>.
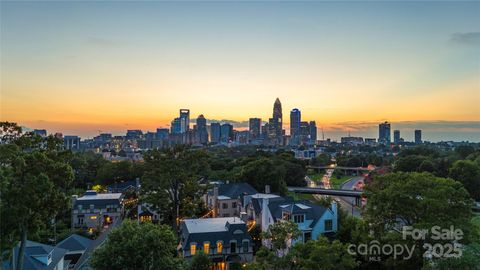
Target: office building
<point>418,136</point>
<point>134,134</point>
<point>176,127</point>
<point>201,130</point>
<point>184,120</point>
<point>226,133</point>
<point>215,132</point>
<point>313,132</point>
<point>396,136</point>
<point>384,136</point>
<point>254,128</point>
<point>162,133</point>
<point>71,142</point>
<point>295,119</point>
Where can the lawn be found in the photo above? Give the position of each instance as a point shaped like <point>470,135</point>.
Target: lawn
<point>337,182</point>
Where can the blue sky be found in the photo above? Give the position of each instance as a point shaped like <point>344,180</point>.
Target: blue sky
<point>67,64</point>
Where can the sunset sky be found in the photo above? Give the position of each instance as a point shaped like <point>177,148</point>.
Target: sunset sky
<point>80,67</point>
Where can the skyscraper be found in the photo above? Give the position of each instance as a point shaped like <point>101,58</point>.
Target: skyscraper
<point>313,132</point>
<point>215,132</point>
<point>396,136</point>
<point>418,136</point>
<point>176,127</point>
<point>184,120</point>
<point>226,133</point>
<point>275,133</point>
<point>384,134</point>
<point>295,119</point>
<point>201,131</point>
<point>254,127</point>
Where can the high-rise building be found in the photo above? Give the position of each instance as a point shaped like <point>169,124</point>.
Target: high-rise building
<point>313,132</point>
<point>275,123</point>
<point>184,120</point>
<point>201,128</point>
<point>254,127</point>
<point>176,127</point>
<point>418,136</point>
<point>384,134</point>
<point>396,136</point>
<point>134,134</point>
<point>162,133</point>
<point>295,119</point>
<point>215,132</point>
<point>226,133</point>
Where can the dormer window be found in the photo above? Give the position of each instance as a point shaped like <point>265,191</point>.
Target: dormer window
<point>285,215</point>
<point>299,218</point>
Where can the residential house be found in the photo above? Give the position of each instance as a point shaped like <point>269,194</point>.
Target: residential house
<point>226,200</point>
<point>124,187</point>
<point>95,210</point>
<point>38,256</point>
<point>312,219</point>
<point>76,246</point>
<point>224,240</point>
<point>253,206</point>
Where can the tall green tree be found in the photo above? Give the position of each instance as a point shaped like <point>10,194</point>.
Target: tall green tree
<point>420,200</point>
<point>35,178</point>
<point>264,171</point>
<point>323,255</point>
<point>200,261</point>
<point>171,181</point>
<point>280,235</point>
<point>467,172</point>
<point>138,246</point>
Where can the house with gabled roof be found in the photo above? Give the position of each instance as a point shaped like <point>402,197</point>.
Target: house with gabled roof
<point>38,256</point>
<point>75,245</point>
<point>312,219</point>
<point>226,200</point>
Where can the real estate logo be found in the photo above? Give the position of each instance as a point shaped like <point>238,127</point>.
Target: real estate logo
<point>446,247</point>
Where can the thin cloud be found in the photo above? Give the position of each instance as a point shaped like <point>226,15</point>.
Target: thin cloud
<point>471,38</point>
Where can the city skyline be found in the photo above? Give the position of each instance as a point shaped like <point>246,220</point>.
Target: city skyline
<point>78,68</point>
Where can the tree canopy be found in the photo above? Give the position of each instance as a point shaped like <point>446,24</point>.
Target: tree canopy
<point>138,246</point>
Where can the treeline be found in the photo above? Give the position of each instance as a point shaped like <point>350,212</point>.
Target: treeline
<point>462,164</point>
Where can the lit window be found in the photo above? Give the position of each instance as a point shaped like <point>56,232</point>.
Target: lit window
<point>219,247</point>
<point>206,247</point>
<point>145,218</point>
<point>93,217</point>
<point>285,216</point>
<point>193,249</point>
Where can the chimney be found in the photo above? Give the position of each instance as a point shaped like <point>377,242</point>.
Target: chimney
<point>267,189</point>
<point>215,201</point>
<point>74,200</point>
<point>265,212</point>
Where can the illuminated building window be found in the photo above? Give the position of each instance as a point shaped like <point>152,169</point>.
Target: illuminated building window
<point>206,247</point>
<point>145,218</point>
<point>93,217</point>
<point>193,249</point>
<point>219,247</point>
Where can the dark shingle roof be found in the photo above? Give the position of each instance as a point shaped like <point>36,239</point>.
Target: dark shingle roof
<point>75,242</point>
<point>223,232</point>
<point>37,249</point>
<point>311,210</point>
<point>234,190</point>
